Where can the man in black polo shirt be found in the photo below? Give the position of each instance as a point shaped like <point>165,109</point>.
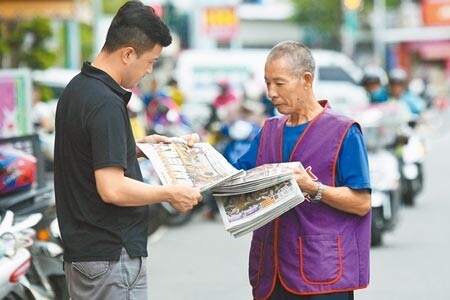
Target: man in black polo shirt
<point>100,197</point>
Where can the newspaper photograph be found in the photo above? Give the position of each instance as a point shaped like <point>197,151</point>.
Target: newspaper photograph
<point>243,213</point>
<point>199,166</point>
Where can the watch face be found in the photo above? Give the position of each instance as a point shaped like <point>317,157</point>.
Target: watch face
<point>318,195</point>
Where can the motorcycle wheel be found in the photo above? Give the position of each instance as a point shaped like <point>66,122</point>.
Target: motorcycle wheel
<point>408,194</point>
<point>376,233</point>
<point>59,287</point>
<point>22,293</point>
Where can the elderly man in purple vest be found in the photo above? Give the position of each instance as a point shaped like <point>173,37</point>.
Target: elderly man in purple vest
<point>319,249</point>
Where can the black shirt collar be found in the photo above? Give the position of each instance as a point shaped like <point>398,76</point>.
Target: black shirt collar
<point>91,71</point>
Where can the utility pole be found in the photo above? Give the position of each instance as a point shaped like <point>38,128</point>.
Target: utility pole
<point>378,29</point>
<point>350,25</point>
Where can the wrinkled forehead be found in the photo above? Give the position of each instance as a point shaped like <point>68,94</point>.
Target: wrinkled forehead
<point>277,67</point>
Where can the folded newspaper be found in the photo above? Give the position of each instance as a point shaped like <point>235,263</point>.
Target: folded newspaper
<point>247,200</point>
<point>257,197</point>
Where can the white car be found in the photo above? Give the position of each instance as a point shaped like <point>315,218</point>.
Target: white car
<point>338,79</point>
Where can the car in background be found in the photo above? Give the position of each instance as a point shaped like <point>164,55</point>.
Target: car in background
<point>338,79</point>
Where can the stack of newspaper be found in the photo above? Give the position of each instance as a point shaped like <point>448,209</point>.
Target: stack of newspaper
<point>257,197</point>
<point>246,200</point>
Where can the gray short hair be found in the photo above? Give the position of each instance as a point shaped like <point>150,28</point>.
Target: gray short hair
<point>299,56</point>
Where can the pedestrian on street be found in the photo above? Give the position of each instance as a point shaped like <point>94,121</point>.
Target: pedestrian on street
<point>101,200</point>
<point>320,248</point>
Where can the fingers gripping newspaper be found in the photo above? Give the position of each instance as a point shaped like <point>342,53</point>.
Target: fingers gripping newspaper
<point>247,200</point>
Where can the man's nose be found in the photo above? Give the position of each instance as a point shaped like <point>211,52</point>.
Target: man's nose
<point>272,93</point>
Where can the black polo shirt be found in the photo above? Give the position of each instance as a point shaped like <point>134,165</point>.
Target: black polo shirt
<point>93,131</point>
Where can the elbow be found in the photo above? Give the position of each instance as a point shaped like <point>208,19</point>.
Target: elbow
<point>110,196</point>
<point>365,207</point>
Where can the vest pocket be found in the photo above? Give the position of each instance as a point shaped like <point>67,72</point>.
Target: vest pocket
<point>256,261</point>
<point>320,259</point>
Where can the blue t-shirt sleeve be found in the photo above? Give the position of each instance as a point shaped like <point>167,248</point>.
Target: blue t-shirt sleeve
<point>248,160</point>
<point>352,166</point>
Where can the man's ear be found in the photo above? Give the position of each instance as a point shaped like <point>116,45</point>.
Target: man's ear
<point>126,54</point>
<point>308,79</point>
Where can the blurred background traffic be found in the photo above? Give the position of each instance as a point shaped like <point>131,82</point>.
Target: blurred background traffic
<point>385,63</point>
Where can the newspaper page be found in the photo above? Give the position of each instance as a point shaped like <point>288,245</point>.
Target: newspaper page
<point>243,213</point>
<point>199,166</point>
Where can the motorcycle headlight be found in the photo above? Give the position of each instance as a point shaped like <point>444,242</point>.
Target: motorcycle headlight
<point>410,171</point>
<point>379,198</point>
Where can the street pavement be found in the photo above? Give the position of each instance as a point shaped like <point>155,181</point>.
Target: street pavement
<point>201,261</point>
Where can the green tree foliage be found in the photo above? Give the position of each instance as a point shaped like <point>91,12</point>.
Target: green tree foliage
<point>110,7</point>
<point>26,43</point>
<point>87,41</point>
<point>321,21</point>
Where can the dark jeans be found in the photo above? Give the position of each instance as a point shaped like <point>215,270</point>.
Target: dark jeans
<point>280,293</point>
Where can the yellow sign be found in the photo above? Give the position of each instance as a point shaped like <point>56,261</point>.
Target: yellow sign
<point>220,22</point>
<point>352,4</point>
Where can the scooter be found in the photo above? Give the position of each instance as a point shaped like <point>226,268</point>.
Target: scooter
<point>15,258</point>
<point>26,191</point>
<point>411,153</point>
<point>44,276</point>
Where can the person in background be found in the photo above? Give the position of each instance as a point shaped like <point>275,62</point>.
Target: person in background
<point>398,90</point>
<point>174,92</point>
<point>372,83</point>
<point>101,201</point>
<point>225,96</point>
<point>320,248</point>
<point>42,115</point>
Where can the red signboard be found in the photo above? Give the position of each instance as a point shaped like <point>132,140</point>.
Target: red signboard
<point>436,12</point>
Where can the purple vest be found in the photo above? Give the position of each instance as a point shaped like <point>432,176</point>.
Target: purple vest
<point>313,248</point>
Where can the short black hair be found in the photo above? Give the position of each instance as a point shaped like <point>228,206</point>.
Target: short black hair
<point>136,25</point>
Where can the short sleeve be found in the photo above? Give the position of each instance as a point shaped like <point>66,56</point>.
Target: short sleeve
<point>107,129</point>
<point>353,166</point>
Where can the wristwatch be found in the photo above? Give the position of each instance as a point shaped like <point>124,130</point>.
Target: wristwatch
<point>318,196</point>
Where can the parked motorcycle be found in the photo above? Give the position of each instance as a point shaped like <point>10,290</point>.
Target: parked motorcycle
<point>28,192</point>
<point>15,258</point>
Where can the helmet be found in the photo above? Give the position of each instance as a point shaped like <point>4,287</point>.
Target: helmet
<point>398,75</point>
<point>374,74</point>
<point>17,170</point>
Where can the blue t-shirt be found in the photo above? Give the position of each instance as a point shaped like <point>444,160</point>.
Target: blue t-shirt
<point>352,167</point>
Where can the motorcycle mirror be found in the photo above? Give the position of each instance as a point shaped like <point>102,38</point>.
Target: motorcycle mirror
<point>7,222</point>
<point>29,222</point>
